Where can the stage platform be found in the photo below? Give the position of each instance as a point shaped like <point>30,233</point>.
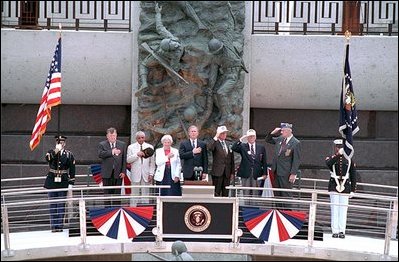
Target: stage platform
<point>43,244</point>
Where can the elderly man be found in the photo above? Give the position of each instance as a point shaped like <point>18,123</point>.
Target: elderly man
<point>223,161</point>
<point>142,166</point>
<point>112,153</point>
<point>253,161</point>
<point>286,159</point>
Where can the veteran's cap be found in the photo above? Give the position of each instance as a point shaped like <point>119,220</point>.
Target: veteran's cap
<point>251,132</point>
<point>286,125</point>
<point>148,152</point>
<point>222,129</point>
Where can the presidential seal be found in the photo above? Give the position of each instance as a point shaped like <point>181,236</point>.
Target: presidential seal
<point>197,218</point>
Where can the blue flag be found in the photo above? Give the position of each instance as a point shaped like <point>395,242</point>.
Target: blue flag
<point>348,124</point>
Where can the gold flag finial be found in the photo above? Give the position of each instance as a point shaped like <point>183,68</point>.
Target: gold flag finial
<point>59,32</point>
<point>348,35</point>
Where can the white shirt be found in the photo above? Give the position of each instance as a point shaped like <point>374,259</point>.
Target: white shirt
<point>194,142</point>
<point>288,139</point>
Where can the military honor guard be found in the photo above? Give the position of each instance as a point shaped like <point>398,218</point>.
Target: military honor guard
<point>341,186</point>
<point>61,175</point>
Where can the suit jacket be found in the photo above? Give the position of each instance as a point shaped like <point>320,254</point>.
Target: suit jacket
<point>222,163</point>
<point>109,161</point>
<point>190,160</point>
<point>161,159</point>
<point>250,167</point>
<point>288,160</point>
<point>140,167</point>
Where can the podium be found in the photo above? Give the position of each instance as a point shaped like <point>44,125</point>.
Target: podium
<point>198,188</point>
<point>197,215</point>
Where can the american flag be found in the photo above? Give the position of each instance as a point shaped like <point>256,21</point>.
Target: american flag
<point>127,181</point>
<point>51,97</point>
<point>348,124</point>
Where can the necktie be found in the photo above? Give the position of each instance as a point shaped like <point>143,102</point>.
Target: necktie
<point>224,147</point>
<point>193,143</point>
<point>141,149</point>
<point>283,144</point>
<point>113,164</point>
<point>252,151</point>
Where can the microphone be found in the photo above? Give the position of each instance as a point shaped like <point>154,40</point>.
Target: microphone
<point>196,172</point>
<point>200,172</point>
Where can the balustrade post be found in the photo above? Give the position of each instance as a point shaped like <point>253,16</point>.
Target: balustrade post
<point>392,220</point>
<point>7,252</point>
<point>237,233</point>
<point>82,223</point>
<point>312,222</point>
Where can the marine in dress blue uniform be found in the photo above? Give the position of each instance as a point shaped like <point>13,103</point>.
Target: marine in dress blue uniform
<point>61,175</point>
<point>341,186</point>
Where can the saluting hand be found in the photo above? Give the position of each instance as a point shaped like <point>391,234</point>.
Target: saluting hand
<point>276,130</point>
<point>58,148</point>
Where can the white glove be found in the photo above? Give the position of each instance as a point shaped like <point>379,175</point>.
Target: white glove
<point>242,138</point>
<point>58,147</point>
<point>70,186</point>
<point>351,194</point>
<point>341,151</point>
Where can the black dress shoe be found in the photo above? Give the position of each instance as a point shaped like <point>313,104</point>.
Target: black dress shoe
<point>335,235</point>
<point>341,235</point>
<point>54,230</point>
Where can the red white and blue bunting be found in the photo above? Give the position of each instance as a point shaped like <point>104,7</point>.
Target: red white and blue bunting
<point>121,223</point>
<point>273,225</point>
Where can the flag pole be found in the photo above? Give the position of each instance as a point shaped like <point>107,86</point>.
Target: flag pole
<point>59,107</point>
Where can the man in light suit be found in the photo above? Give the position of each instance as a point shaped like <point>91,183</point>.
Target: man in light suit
<point>193,153</point>
<point>142,166</point>
<point>287,158</point>
<point>253,161</point>
<point>113,163</point>
<point>223,161</point>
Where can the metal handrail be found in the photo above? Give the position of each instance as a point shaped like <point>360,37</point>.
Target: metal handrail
<point>312,203</point>
<point>303,179</point>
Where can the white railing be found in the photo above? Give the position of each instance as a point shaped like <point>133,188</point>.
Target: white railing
<point>369,215</point>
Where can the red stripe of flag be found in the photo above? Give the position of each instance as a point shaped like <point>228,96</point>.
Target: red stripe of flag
<point>51,97</point>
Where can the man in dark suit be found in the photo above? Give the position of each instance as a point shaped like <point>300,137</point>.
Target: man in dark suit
<point>193,153</point>
<point>113,165</point>
<point>286,161</point>
<point>223,161</point>
<point>253,161</point>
